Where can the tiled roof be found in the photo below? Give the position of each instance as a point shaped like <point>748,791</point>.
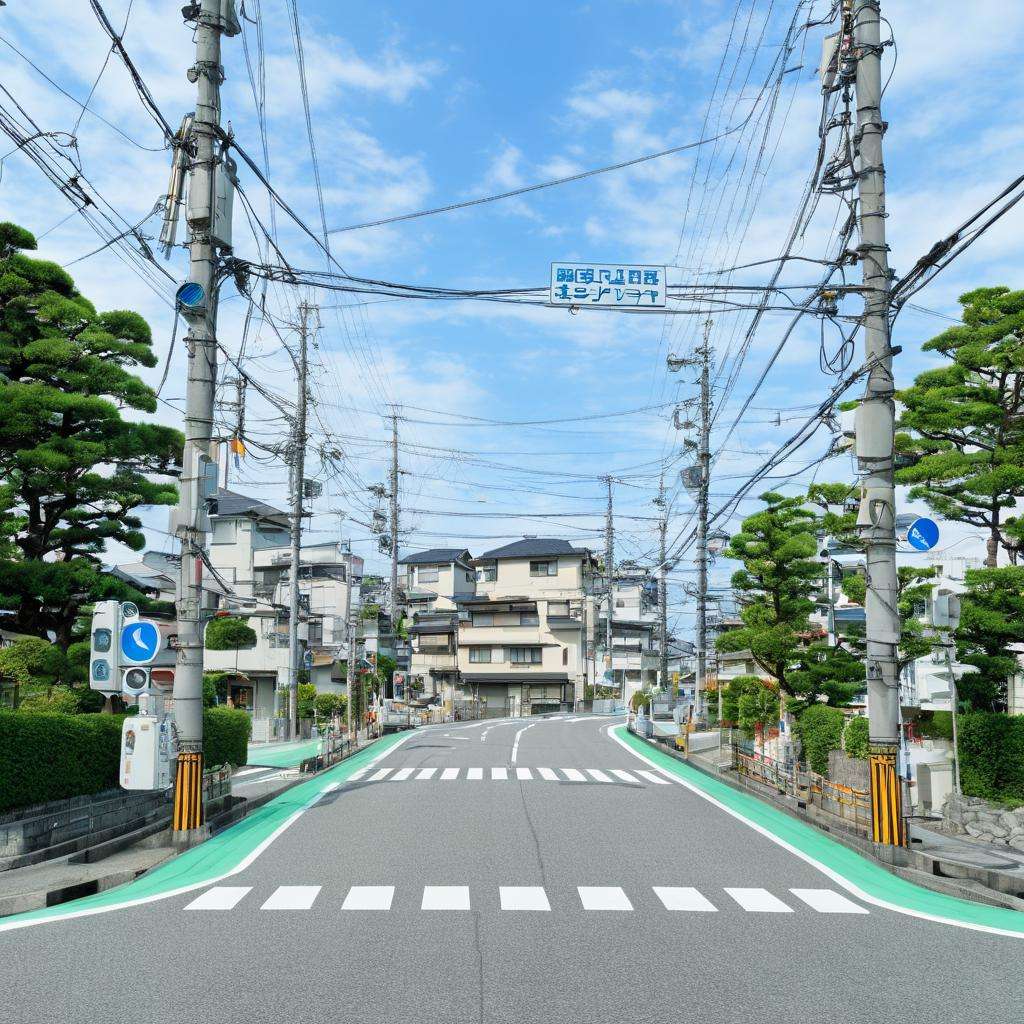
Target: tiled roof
<point>531,547</point>
<point>231,504</point>
<point>435,556</point>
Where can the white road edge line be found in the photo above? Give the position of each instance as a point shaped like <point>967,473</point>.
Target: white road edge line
<point>240,867</point>
<point>807,858</point>
<point>515,742</point>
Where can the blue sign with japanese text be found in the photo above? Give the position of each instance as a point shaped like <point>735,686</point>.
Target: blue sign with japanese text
<point>607,284</point>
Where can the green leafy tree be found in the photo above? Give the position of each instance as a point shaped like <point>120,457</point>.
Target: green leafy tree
<point>991,626</point>
<point>731,694</point>
<point>73,470</point>
<point>229,634</point>
<point>33,665</point>
<point>775,588</point>
<point>964,421</point>
<point>855,738</point>
<point>758,706</point>
<point>306,699</point>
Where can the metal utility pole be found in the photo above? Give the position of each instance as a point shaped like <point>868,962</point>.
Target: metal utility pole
<point>190,523</point>
<point>297,468</point>
<point>662,585</point>
<point>609,572</point>
<point>875,430</point>
<point>704,464</point>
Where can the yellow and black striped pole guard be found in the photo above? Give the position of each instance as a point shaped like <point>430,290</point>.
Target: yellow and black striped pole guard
<point>188,791</point>
<point>887,824</point>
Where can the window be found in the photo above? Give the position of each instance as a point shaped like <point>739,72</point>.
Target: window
<point>223,531</point>
<point>620,602</point>
<point>316,633</point>
<point>524,655</point>
<point>426,574</point>
<point>558,609</point>
<point>565,655</point>
<point>480,655</point>
<point>487,574</point>
<point>483,619</point>
<point>545,568</point>
<point>529,619</point>
<point>470,577</point>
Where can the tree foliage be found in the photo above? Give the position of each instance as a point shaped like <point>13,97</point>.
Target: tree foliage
<point>758,707</point>
<point>964,421</point>
<point>73,471</point>
<point>991,624</point>
<point>226,633</point>
<point>820,729</point>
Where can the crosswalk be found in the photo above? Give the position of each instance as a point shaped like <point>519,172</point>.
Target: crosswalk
<point>608,898</point>
<point>515,773</point>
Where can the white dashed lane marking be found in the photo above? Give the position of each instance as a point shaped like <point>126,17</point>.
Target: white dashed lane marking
<point>759,901</point>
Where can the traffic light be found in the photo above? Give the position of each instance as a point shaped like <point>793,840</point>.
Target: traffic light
<point>134,680</point>
<point>104,657</point>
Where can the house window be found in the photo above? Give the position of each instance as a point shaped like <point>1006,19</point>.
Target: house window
<point>316,633</point>
<point>426,574</point>
<point>620,603</point>
<point>545,568</point>
<point>529,619</point>
<point>524,655</point>
<point>223,531</point>
<point>470,577</point>
<point>480,655</point>
<point>483,619</point>
<point>487,574</point>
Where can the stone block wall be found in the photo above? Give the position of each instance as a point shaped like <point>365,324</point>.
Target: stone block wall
<point>990,823</point>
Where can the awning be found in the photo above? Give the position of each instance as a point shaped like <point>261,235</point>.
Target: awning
<point>514,678</point>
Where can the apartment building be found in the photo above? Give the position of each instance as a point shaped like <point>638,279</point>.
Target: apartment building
<point>434,581</point>
<point>250,551</point>
<point>522,636</point>
<point>634,660</point>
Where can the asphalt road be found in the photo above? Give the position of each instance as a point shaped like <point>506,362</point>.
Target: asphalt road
<point>537,897</point>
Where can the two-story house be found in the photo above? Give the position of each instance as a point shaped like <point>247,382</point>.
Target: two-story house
<point>435,580</point>
<point>522,635</point>
<point>633,659</point>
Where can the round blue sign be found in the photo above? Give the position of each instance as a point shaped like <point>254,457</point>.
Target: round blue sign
<point>923,534</point>
<point>191,295</point>
<point>140,642</point>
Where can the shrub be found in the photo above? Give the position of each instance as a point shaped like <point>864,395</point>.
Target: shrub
<point>49,756</point>
<point>991,748</point>
<point>229,634</point>
<point>305,697</point>
<point>936,726</point>
<point>327,704</point>
<point>215,688</point>
<point>226,736</point>
<point>640,699</point>
<point>820,729</point>
<point>30,660</point>
<point>855,738</point>
<point>731,694</point>
<point>60,700</point>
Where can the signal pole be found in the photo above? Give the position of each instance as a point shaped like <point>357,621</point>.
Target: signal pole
<point>704,462</point>
<point>297,469</point>
<point>875,430</point>
<point>609,572</point>
<point>190,523</point>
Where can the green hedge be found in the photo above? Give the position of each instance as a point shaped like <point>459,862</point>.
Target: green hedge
<point>855,738</point>
<point>820,729</point>
<point>226,736</point>
<point>46,756</point>
<point>991,746</point>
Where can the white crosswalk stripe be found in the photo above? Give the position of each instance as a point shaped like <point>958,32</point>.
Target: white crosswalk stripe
<point>652,777</point>
<point>759,901</point>
<point>475,773</point>
<point>402,774</point>
<point>499,773</point>
<point>292,897</point>
<point>449,773</point>
<point>548,774</point>
<point>381,773</point>
<point>574,775</point>
<point>524,774</point>
<point>677,899</point>
<point>425,773</point>
<point>619,773</point>
<point>598,775</point>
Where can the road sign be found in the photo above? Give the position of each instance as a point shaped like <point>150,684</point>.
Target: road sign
<point>140,642</point>
<point>607,284</point>
<point>923,534</point>
<point>191,295</point>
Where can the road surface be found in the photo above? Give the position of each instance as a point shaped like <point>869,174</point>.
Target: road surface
<point>511,871</point>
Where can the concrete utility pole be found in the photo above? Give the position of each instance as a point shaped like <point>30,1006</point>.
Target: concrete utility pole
<point>350,644</point>
<point>609,572</point>
<point>297,468</point>
<point>393,508</point>
<point>662,585</point>
<point>875,430</point>
<point>704,462</point>
<point>190,523</point>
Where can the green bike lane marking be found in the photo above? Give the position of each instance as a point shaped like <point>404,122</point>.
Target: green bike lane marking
<point>221,856</point>
<point>289,756</point>
<point>858,875</point>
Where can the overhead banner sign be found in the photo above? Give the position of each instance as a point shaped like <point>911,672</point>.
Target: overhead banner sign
<point>607,284</point>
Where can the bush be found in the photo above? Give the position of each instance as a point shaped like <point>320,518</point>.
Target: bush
<point>936,726</point>
<point>820,729</point>
<point>226,736</point>
<point>640,699</point>
<point>48,756</point>
<point>305,697</point>
<point>215,688</point>
<point>327,704</point>
<point>991,748</point>
<point>855,738</point>
<point>60,700</point>
<point>32,661</point>
<point>229,634</point>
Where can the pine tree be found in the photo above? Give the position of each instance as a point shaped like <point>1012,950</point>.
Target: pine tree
<point>73,470</point>
<point>966,420</point>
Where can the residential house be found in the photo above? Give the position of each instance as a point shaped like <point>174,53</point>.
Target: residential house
<point>634,660</point>
<point>522,635</point>
<point>434,581</point>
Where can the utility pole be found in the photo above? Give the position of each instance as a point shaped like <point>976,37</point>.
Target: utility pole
<point>609,572</point>
<point>190,522</point>
<point>297,467</point>
<point>393,508</point>
<point>704,464</point>
<point>662,585</point>
<point>350,645</point>
<point>875,431</point>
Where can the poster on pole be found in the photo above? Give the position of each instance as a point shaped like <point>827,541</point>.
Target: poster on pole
<point>608,284</point>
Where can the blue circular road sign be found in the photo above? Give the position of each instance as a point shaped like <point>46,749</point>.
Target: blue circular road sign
<point>140,642</point>
<point>191,295</point>
<point>923,534</point>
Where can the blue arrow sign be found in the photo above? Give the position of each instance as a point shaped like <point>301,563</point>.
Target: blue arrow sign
<point>140,642</point>
<point>923,534</point>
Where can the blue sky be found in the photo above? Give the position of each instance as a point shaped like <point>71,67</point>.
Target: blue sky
<point>419,105</point>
